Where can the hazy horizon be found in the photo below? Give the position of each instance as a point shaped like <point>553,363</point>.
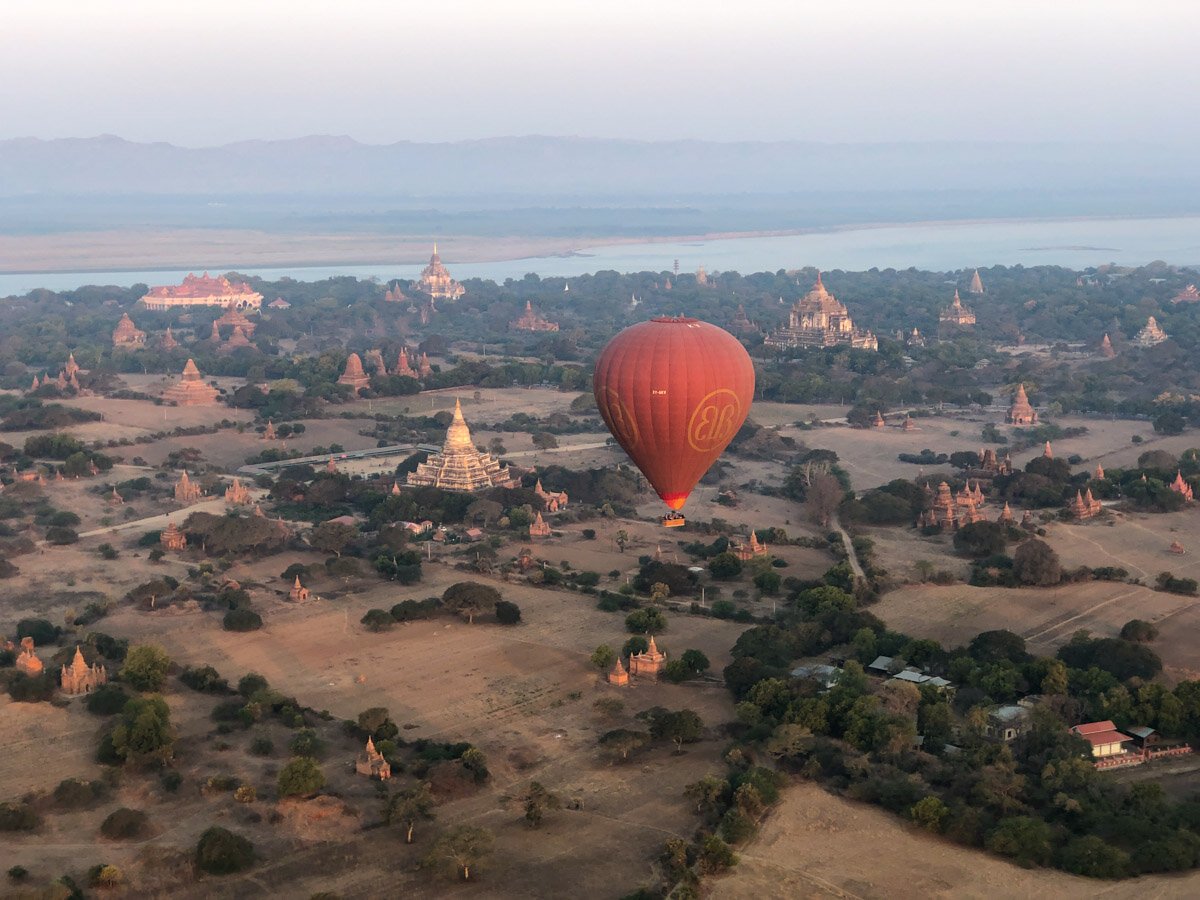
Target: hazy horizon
<point>774,70</point>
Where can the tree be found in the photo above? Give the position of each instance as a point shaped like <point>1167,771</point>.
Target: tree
<point>300,777</point>
<point>1169,422</point>
<point>725,566</point>
<point>1025,839</point>
<point>979,540</point>
<point>507,613</point>
<point>408,807</point>
<point>683,727</point>
<point>646,621</point>
<point>603,657</point>
<point>824,495</point>
<point>695,661</point>
<point>621,538</point>
<point>146,667</point>
<point>242,620</point>
<point>332,537</point>
<point>1138,631</point>
<point>221,852</point>
<point>768,582</point>
<point>460,850</point>
<point>1036,563</point>
<point>144,734</point>
<point>470,599</point>
<point>929,813</point>
<point>1092,856</point>
<point>708,792</point>
<point>536,801</point>
<point>715,856</point>
<point>620,742</point>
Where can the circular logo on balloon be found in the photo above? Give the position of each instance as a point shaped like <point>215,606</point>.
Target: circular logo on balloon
<point>620,420</point>
<point>714,421</point>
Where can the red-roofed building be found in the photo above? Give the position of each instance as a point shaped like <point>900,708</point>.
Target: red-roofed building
<point>1104,738</point>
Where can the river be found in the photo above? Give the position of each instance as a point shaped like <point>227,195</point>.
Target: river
<point>936,246</point>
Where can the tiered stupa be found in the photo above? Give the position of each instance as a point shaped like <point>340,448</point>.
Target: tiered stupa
<point>186,490</point>
<point>1182,488</point>
<point>649,663</point>
<point>127,335</point>
<point>531,321</point>
<point>878,421</point>
<point>461,466</point>
<point>191,389</point>
<point>233,318</point>
<point>237,341</point>
<point>71,369</point>
<point>203,291</point>
<point>354,376</point>
<point>436,281</point>
<point>172,538</point>
<point>1085,506</point>
<point>1006,516</point>
<point>1106,347</point>
<point>956,315</point>
<point>1150,335</point>
<point>538,527</point>
<point>976,283</point>
<point>167,341</point>
<point>818,319</point>
<point>1021,412</point>
<point>79,677</point>
<point>741,323</point>
<point>618,675</point>
<point>1099,473</point>
<point>404,366</point>
<point>424,369</point>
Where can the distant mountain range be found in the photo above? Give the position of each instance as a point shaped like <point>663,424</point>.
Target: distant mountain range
<point>569,185</point>
<point>585,167</point>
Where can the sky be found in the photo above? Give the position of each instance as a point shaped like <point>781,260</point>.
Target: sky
<point>207,72</point>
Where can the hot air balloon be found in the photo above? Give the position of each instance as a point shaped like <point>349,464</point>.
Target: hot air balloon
<point>674,391</point>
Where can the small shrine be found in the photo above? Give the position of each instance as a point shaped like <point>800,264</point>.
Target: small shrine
<point>167,341</point>
<point>27,660</point>
<point>552,500</point>
<point>354,376</point>
<point>299,592</point>
<point>269,432</point>
<point>128,336</point>
<point>649,663</point>
<point>1181,487</point>
<point>976,283</point>
<point>1085,506</point>
<point>1106,347</point>
<point>235,318</point>
<point>79,677</point>
<point>949,511</point>
<point>1021,412</point>
<point>538,527</point>
<point>751,549</point>
<point>191,390</point>
<point>372,764</point>
<point>1189,294</point>
<point>172,538</point>
<point>186,490</point>
<point>531,321</point>
<point>404,366</point>
<point>237,493</point>
<point>618,675</point>
<point>956,315</point>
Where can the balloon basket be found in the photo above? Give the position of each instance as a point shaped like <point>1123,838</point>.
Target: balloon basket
<point>673,520</point>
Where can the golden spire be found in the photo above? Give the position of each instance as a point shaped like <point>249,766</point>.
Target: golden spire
<point>458,435</point>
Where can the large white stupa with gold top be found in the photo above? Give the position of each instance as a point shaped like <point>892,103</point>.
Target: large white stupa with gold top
<point>461,466</point>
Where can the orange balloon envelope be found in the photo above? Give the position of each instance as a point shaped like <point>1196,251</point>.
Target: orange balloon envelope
<point>674,392</point>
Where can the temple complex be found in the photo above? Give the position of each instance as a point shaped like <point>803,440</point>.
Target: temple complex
<point>298,592</point>
<point>234,318</point>
<point>237,494</point>
<point>394,294</point>
<point>1188,295</point>
<point>79,677</point>
<point>186,490</point>
<point>818,319</point>
<point>127,335</point>
<point>27,660</point>
<point>191,389</point>
<point>372,764</point>
<point>990,465</point>
<point>976,283</point>
<point>752,548</point>
<point>538,527</point>
<point>552,500</point>
<point>172,538</point>
<point>1085,506</point>
<point>1182,488</point>
<point>1106,347</point>
<point>1021,412</point>
<point>649,663</point>
<point>531,321</point>
<point>461,466</point>
<point>436,281</point>
<point>618,674</point>
<point>956,315</point>
<point>950,512</point>
<point>354,376</point>
<point>1150,335</point>
<point>203,291</point>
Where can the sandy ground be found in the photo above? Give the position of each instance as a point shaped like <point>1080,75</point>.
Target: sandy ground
<point>818,845</point>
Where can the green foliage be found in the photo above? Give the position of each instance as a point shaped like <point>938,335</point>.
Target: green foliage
<point>146,667</point>
<point>75,793</point>
<point>1138,631</point>
<point>17,816</point>
<point>107,700</point>
<point>125,824</point>
<point>144,734</point>
<point>725,566</point>
<point>603,657</point>
<point>221,852</point>
<point>205,679</point>
<point>1035,563</point>
<point>300,777</point>
<point>242,620</point>
<point>646,621</point>
<point>507,613</point>
<point>469,599</point>
<point>41,630</point>
<point>377,620</point>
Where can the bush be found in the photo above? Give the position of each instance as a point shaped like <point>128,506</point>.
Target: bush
<point>251,683</point>
<point>646,621</point>
<point>16,816</point>
<point>41,630</point>
<point>301,776</point>
<point>507,613</point>
<point>75,793</point>
<point>107,700</point>
<point>305,743</point>
<point>61,536</point>
<point>242,620</point>
<point>725,566</point>
<point>205,679</point>
<point>221,852</point>
<point>1138,631</point>
<point>378,620</point>
<point>125,824</point>
<point>262,746</point>
<point>1037,564</point>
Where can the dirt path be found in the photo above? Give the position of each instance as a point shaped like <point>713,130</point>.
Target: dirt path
<point>851,556</point>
